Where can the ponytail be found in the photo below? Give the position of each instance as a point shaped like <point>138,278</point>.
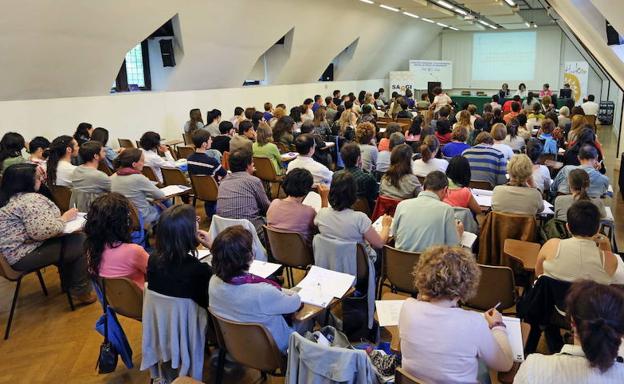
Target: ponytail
<point>425,153</point>
<point>578,180</point>
<point>428,147</point>
<point>58,149</point>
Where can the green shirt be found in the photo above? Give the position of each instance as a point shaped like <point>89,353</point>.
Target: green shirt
<point>269,150</point>
<point>10,161</point>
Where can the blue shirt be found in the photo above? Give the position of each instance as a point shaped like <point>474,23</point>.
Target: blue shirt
<point>453,149</point>
<point>267,116</point>
<point>550,144</point>
<point>598,183</point>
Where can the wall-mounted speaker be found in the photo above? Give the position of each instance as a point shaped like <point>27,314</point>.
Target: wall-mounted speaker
<point>166,52</point>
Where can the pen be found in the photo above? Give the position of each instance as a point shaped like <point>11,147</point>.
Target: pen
<point>497,304</point>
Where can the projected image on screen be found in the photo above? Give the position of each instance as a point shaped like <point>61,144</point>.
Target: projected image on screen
<point>503,56</point>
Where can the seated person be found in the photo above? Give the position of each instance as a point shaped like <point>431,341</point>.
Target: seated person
<point>108,246</point>
<point>550,143</point>
<point>364,135</point>
<point>306,146</point>
<point>283,132</point>
<point>399,182</point>
<point>221,142</point>
<point>340,222</point>
<point>199,163</point>
<point>458,143</point>
<point>414,131</point>
<point>384,143</point>
<point>63,150</point>
<point>11,147</point>
<point>100,135</point>
<point>458,193</point>
<point>241,194</point>
<point>320,154</point>
<point>428,161</point>
<point>150,143</point>
<point>443,131</point>
<point>586,136</point>
<point>88,182</point>
<point>499,133</point>
<point>512,111</point>
<point>384,157</point>
<point>578,180</point>
<point>38,149</point>
<point>519,196</point>
<point>366,185</point>
<point>514,139</point>
<point>486,163</point>
<point>264,147</point>
<point>578,257</point>
<point>435,221</point>
<point>237,295</point>
<point>129,182</point>
<point>588,157</point>
<point>290,214</point>
<point>596,312</point>
<point>173,269</point>
<point>441,342</point>
<point>541,173</point>
<point>31,231</point>
<point>245,138</point>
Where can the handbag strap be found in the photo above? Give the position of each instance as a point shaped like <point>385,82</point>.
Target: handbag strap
<point>105,305</point>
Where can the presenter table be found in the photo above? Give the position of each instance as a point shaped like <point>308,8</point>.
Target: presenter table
<point>480,101</point>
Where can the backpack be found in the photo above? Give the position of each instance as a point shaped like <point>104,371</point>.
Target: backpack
<point>554,229</point>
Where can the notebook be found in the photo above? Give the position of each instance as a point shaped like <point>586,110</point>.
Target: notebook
<point>77,224</point>
<point>172,190</point>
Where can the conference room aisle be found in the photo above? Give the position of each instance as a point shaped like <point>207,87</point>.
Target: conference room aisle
<point>49,343</point>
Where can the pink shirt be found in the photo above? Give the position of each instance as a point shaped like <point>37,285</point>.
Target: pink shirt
<point>458,197</point>
<point>291,216</point>
<point>126,260</point>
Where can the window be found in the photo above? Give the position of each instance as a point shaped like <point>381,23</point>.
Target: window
<point>134,67</point>
<point>134,73</point>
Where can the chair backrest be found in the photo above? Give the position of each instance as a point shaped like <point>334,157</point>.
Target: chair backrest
<point>61,196</point>
<point>398,266</point>
<point>126,143</point>
<point>333,254</point>
<point>185,151</point>
<point>225,161</point>
<point>173,176</point>
<point>103,167</point>
<point>361,205</point>
<point>404,120</point>
<point>289,248</point>
<point>499,226</point>
<point>205,187</point>
<point>149,173</point>
<point>124,296</point>
<point>219,223</point>
<point>188,138</point>
<point>384,205</point>
<point>591,120</point>
<point>481,184</point>
<point>7,271</point>
<point>402,377</point>
<point>264,169</point>
<point>496,285</point>
<point>250,344</point>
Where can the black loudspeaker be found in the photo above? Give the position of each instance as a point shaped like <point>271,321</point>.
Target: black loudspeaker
<point>430,87</point>
<point>328,75</point>
<point>166,51</point>
<point>613,37</point>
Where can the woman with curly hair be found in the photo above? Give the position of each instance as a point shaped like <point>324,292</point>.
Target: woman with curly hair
<point>108,246</point>
<point>441,342</point>
<point>364,134</point>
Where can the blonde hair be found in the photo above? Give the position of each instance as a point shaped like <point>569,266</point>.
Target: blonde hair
<point>578,121</point>
<point>499,131</point>
<point>520,168</point>
<point>264,134</point>
<point>368,99</point>
<point>446,273</point>
<point>364,133</point>
<point>464,119</point>
<point>564,111</point>
<point>346,120</point>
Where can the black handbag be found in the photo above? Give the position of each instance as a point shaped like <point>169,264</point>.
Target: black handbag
<point>107,360</point>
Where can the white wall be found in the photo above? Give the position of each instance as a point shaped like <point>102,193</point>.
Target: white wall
<point>129,115</point>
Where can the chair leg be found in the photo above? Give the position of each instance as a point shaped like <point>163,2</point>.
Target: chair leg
<point>70,300</point>
<point>15,295</point>
<point>220,366</point>
<point>43,286</point>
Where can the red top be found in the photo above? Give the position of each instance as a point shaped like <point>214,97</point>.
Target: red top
<point>458,197</point>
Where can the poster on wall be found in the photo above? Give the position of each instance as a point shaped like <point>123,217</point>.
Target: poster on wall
<point>425,71</point>
<point>576,74</point>
<point>400,81</point>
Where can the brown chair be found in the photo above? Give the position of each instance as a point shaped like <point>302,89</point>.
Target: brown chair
<point>402,377</point>
<point>124,296</point>
<point>249,344</point>
<point>397,267</point>
<point>205,188</point>
<point>103,167</point>
<point>173,176</point>
<point>12,275</point>
<point>265,171</point>
<point>404,120</point>
<point>61,196</point>
<point>126,143</point>
<point>361,205</point>
<point>186,380</point>
<point>480,184</point>
<point>497,284</point>
<point>289,249</point>
<point>188,138</point>
<point>225,161</point>
<point>149,173</point>
<point>498,227</point>
<point>185,151</point>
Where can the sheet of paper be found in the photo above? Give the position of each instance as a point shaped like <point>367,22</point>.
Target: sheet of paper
<point>481,192</point>
<point>561,151</point>
<point>484,201</point>
<point>609,214</point>
<point>204,256</point>
<point>332,283</point>
<point>315,296</point>
<point>388,312</point>
<point>77,224</point>
<point>171,190</point>
<point>263,269</point>
<point>610,190</point>
<point>313,200</point>
<point>514,332</point>
<point>468,239</point>
<point>377,225</point>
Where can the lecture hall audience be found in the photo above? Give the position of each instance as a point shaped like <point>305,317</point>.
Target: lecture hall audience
<point>520,196</point>
<point>399,182</point>
<point>87,181</point>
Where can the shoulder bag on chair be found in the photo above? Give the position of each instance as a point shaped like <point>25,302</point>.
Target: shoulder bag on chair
<point>107,360</point>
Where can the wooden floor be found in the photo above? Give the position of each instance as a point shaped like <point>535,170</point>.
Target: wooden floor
<point>49,343</point>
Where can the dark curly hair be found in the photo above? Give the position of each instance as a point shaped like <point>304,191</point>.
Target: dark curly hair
<point>109,223</point>
<point>232,252</point>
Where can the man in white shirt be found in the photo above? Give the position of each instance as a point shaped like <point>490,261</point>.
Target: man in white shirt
<point>590,107</point>
<point>150,143</point>
<point>305,145</point>
<point>62,150</point>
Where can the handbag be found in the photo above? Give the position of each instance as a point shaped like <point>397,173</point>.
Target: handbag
<point>107,360</point>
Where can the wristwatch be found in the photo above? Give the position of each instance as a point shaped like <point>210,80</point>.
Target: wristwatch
<point>498,324</point>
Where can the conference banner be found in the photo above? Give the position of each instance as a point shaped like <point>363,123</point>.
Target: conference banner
<point>576,74</point>
<point>400,81</point>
